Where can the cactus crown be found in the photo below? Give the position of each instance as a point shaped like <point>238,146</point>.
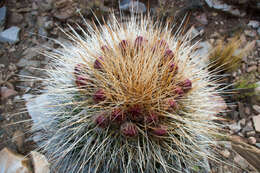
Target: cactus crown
<point>131,98</point>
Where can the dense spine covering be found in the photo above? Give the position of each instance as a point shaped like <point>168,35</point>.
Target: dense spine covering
<point>128,97</point>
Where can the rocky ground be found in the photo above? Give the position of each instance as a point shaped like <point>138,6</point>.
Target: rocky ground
<point>25,27</point>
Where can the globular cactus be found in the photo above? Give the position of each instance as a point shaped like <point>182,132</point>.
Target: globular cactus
<point>128,97</point>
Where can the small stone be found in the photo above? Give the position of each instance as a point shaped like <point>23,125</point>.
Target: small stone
<point>251,68</point>
<point>258,145</point>
<point>10,35</point>
<point>256,108</point>
<point>252,140</point>
<point>5,93</point>
<point>242,122</point>
<point>250,33</point>
<point>202,19</point>
<point>133,6</point>
<point>241,110</point>
<point>40,163</point>
<point>241,161</point>
<point>11,162</point>
<point>42,32</point>
<point>250,133</point>
<point>15,18</point>
<point>258,41</point>
<point>247,110</point>
<point>18,139</point>
<point>225,153</point>
<point>64,13</point>
<point>2,17</point>
<point>256,121</point>
<point>235,127</point>
<point>253,23</point>
<point>48,25</point>
<point>258,31</point>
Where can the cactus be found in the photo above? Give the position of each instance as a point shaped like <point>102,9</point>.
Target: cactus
<point>128,98</point>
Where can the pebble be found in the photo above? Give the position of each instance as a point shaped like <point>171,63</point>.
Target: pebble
<point>132,6</point>
<point>48,24</point>
<point>220,5</point>
<point>10,35</point>
<point>253,23</point>
<point>258,31</point>
<point>252,140</point>
<point>6,93</point>
<point>256,121</point>
<point>256,108</point>
<point>2,17</point>
<point>242,122</point>
<point>250,33</point>
<point>235,127</point>
<point>42,32</point>
<point>11,162</point>
<point>202,19</point>
<point>18,140</point>
<point>40,163</point>
<point>258,145</point>
<point>225,153</point>
<point>251,68</point>
<point>15,18</point>
<point>250,133</point>
<point>241,110</point>
<point>247,110</point>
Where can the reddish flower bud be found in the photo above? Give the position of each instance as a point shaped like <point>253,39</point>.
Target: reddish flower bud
<point>178,91</point>
<point>160,131</point>
<point>123,45</point>
<point>169,54</point>
<point>172,103</point>
<point>151,118</point>
<point>186,85</point>
<point>139,41</point>
<point>104,48</point>
<point>98,64</point>
<point>163,44</point>
<point>117,115</point>
<point>129,129</point>
<point>99,96</point>
<point>101,120</point>
<point>81,81</point>
<point>135,113</point>
<point>173,67</point>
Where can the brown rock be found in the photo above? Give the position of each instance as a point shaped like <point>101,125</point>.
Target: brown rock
<point>256,121</point>
<point>40,163</point>
<point>225,153</point>
<point>18,139</point>
<point>251,68</point>
<point>6,92</point>
<point>247,110</point>
<point>11,162</point>
<point>256,108</point>
<point>252,140</point>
